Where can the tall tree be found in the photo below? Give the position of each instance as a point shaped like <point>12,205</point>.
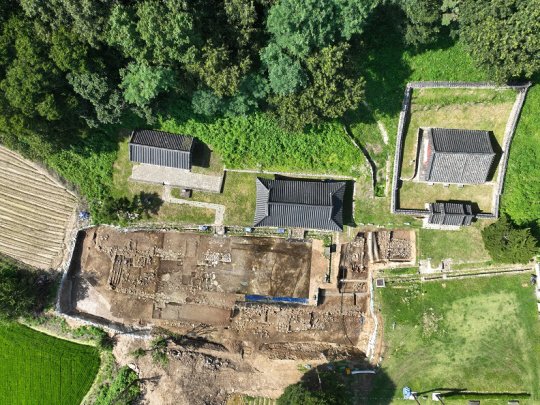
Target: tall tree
<point>86,18</point>
<point>166,27</point>
<point>22,291</point>
<point>142,83</point>
<point>332,90</point>
<point>299,26</point>
<point>508,244</point>
<point>502,35</point>
<point>423,20</point>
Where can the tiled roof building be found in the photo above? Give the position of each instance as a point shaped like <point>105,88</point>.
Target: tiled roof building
<point>161,148</point>
<point>456,156</point>
<point>450,214</point>
<point>299,204</point>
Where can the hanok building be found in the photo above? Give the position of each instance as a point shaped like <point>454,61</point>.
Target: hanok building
<point>450,214</point>
<point>299,204</point>
<point>161,149</point>
<point>455,156</point>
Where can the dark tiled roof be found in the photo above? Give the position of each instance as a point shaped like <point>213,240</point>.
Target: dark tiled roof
<point>461,141</point>
<point>299,204</point>
<point>459,156</point>
<point>161,149</point>
<point>450,214</point>
<point>164,140</point>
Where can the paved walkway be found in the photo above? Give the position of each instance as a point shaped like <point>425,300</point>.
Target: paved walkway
<point>220,209</point>
<point>176,178</point>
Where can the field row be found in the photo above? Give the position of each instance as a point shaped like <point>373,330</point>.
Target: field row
<point>34,212</point>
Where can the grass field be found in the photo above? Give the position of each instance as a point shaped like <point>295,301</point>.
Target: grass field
<point>463,246</point>
<point>39,369</point>
<point>479,109</point>
<point>168,213</point>
<point>415,195</point>
<point>521,197</point>
<point>447,337</point>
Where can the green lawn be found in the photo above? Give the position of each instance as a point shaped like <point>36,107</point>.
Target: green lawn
<point>415,195</point>
<point>463,246</point>
<point>521,196</point>
<point>167,213</point>
<point>377,211</point>
<point>39,369</point>
<point>480,109</point>
<point>239,197</point>
<point>477,334</point>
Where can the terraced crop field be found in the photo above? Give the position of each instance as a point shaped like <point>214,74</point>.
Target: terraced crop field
<point>39,369</point>
<point>35,211</point>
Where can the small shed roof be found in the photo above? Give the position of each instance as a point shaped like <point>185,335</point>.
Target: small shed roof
<point>163,140</point>
<point>459,156</point>
<point>450,214</point>
<point>299,204</point>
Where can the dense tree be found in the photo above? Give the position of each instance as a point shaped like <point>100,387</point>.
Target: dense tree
<point>508,244</point>
<point>332,90</point>
<point>100,92</point>
<point>22,291</point>
<point>330,391</point>
<point>299,395</point>
<point>85,17</point>
<point>68,52</point>
<point>166,27</point>
<point>142,83</point>
<point>33,84</point>
<point>121,32</point>
<point>502,35</point>
<point>285,73</point>
<point>423,20</point>
<point>301,26</point>
<point>219,71</point>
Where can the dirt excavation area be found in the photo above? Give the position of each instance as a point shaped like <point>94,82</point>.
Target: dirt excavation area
<point>255,290</point>
<point>247,312</point>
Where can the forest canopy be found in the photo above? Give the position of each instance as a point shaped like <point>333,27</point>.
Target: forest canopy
<point>73,72</point>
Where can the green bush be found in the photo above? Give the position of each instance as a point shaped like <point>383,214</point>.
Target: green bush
<point>508,244</point>
<point>23,292</point>
<point>255,141</point>
<point>122,391</point>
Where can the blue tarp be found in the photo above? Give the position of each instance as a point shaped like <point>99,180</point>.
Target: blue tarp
<point>276,299</point>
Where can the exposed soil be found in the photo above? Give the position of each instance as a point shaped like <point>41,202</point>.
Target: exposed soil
<point>196,286</point>
<point>37,214</point>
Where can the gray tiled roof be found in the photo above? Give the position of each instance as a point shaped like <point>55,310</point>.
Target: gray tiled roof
<point>159,139</point>
<point>450,214</point>
<point>299,204</point>
<point>161,149</point>
<point>459,156</point>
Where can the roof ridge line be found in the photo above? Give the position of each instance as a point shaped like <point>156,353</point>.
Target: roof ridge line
<point>298,203</point>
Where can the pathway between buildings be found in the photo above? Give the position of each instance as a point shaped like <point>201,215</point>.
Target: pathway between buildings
<point>219,209</point>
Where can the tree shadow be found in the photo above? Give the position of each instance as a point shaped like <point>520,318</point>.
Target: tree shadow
<point>331,381</point>
<point>146,203</point>
<point>201,154</point>
<point>498,156</point>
